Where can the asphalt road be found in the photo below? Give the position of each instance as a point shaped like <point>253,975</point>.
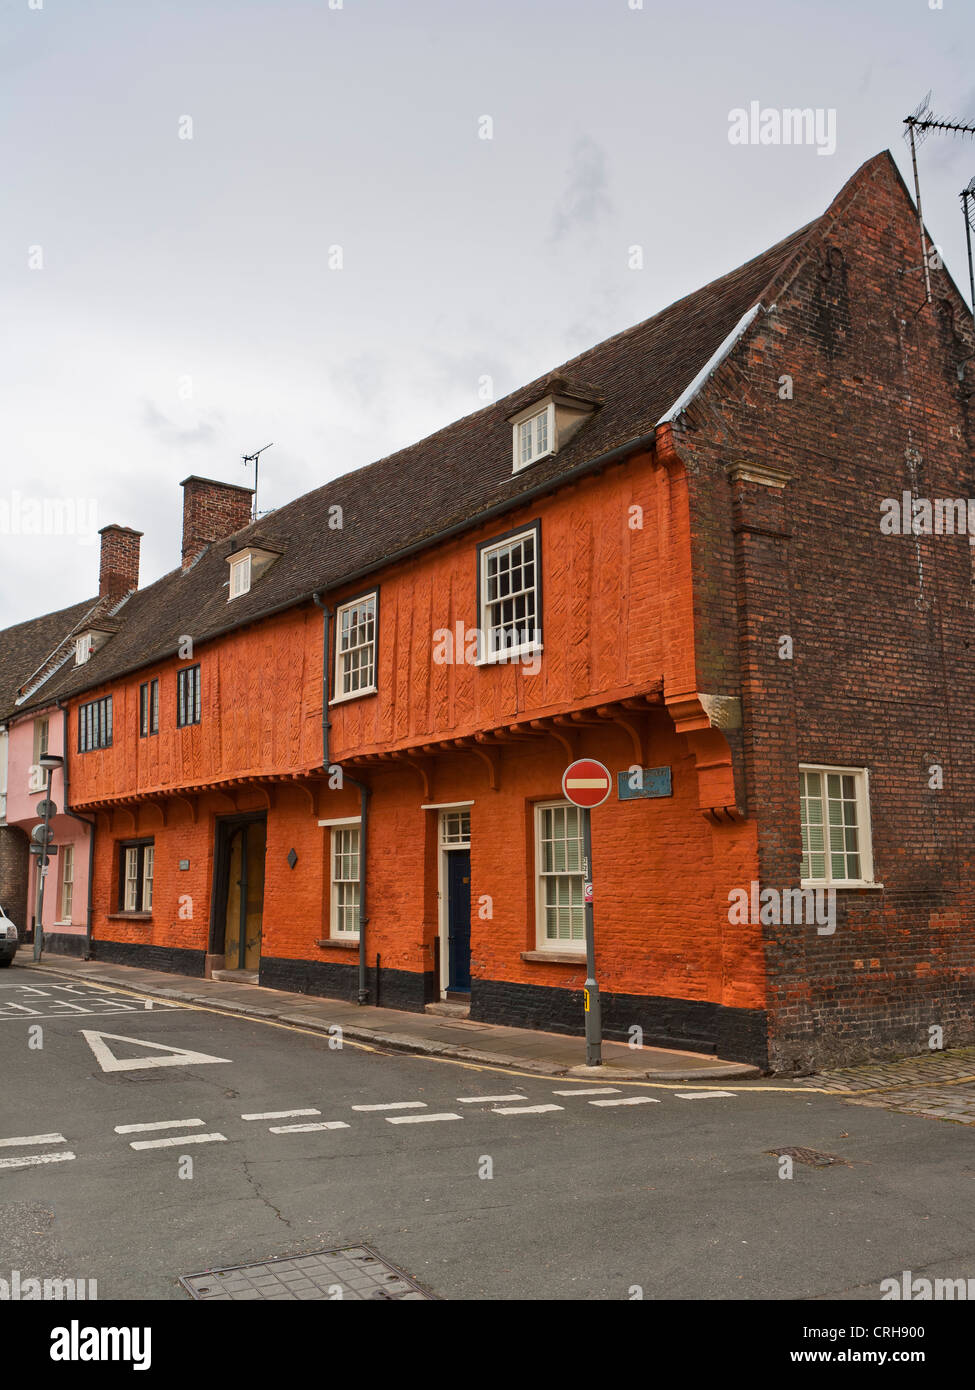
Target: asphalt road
<point>676,1197</point>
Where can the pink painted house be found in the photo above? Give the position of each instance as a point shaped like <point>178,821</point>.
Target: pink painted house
<point>31,654</point>
<point>66,889</point>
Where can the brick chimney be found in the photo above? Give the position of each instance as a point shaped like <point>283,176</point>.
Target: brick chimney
<point>118,573</point>
<point>211,512</point>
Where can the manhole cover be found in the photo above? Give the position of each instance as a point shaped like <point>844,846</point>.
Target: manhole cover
<point>356,1272</point>
<point>813,1157</point>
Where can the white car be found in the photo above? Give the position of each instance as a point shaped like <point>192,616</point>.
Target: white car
<point>9,939</point>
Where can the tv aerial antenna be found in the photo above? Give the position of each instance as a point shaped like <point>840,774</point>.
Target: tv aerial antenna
<point>919,123</point>
<point>967,196</point>
<point>255,460</point>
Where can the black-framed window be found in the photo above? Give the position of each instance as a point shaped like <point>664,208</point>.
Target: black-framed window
<point>136,863</point>
<point>509,593</point>
<point>148,708</point>
<point>95,725</point>
<point>188,696</point>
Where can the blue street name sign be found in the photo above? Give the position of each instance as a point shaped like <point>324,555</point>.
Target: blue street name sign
<point>646,782</point>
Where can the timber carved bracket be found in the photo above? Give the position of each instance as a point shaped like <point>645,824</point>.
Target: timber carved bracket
<point>705,721</point>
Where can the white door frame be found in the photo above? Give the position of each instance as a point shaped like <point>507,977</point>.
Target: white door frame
<point>443,923</point>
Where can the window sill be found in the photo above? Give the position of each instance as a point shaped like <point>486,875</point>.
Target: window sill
<point>353,695</point>
<point>556,957</point>
<point>858,887</point>
<point>515,657</point>
<point>536,458</point>
<point>344,945</point>
<point>130,917</point>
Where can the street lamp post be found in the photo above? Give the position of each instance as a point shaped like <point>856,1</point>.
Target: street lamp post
<point>48,761</point>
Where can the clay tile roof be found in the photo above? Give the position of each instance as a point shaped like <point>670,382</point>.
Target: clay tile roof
<point>449,479</point>
<point>26,647</point>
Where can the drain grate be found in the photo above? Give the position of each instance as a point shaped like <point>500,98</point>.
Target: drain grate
<point>356,1272</point>
<point>813,1157</point>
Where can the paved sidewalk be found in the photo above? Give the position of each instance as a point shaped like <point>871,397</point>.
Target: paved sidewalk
<point>939,1085</point>
<point>549,1054</point>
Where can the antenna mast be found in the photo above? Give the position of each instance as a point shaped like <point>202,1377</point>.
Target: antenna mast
<point>967,196</point>
<point>255,459</point>
<point>919,122</point>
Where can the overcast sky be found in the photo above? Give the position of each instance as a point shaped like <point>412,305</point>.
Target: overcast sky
<point>168,303</point>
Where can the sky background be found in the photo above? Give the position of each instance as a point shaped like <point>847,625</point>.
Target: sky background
<point>186,314</point>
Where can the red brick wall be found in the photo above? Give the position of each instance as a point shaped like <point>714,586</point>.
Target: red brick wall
<point>15,876</point>
<point>883,674</point>
<point>212,511</point>
<point>119,564</point>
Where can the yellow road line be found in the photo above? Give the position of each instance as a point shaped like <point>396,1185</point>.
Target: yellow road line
<point>754,1088</point>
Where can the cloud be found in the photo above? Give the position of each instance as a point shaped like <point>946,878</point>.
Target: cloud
<point>168,432</point>
<point>585,198</point>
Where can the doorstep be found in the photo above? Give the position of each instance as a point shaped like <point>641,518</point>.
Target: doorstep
<point>528,1049</point>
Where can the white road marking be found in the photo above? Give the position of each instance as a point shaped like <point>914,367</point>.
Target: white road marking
<point>175,1139</point>
<point>395,1105</point>
<point>628,1100</point>
<point>307,1129</point>
<point>35,1015</point>
<point>590,1091</point>
<point>419,1119</point>
<point>157,1124</point>
<point>485,1100</point>
<point>525,1109</point>
<point>278,1114</point>
<point>36,1158</point>
<point>34,1139</point>
<point>175,1056</point>
<point>53,1003</point>
<point>704,1095</point>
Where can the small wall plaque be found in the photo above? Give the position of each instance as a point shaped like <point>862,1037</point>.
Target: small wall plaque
<point>184,863</point>
<point>647,782</point>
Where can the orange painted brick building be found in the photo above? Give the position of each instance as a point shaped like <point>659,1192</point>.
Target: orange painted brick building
<point>327,750</point>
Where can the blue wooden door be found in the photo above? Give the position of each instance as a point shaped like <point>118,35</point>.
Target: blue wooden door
<point>459,919</point>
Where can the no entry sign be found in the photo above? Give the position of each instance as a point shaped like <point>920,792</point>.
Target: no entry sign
<point>586,783</point>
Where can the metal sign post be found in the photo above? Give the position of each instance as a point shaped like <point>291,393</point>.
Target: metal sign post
<point>42,835</point>
<point>594,1016</point>
<point>587,783</point>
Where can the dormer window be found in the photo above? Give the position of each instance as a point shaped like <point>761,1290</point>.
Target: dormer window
<point>247,565</point>
<point>87,643</point>
<point>240,576</point>
<point>548,422</point>
<point>534,435</point>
